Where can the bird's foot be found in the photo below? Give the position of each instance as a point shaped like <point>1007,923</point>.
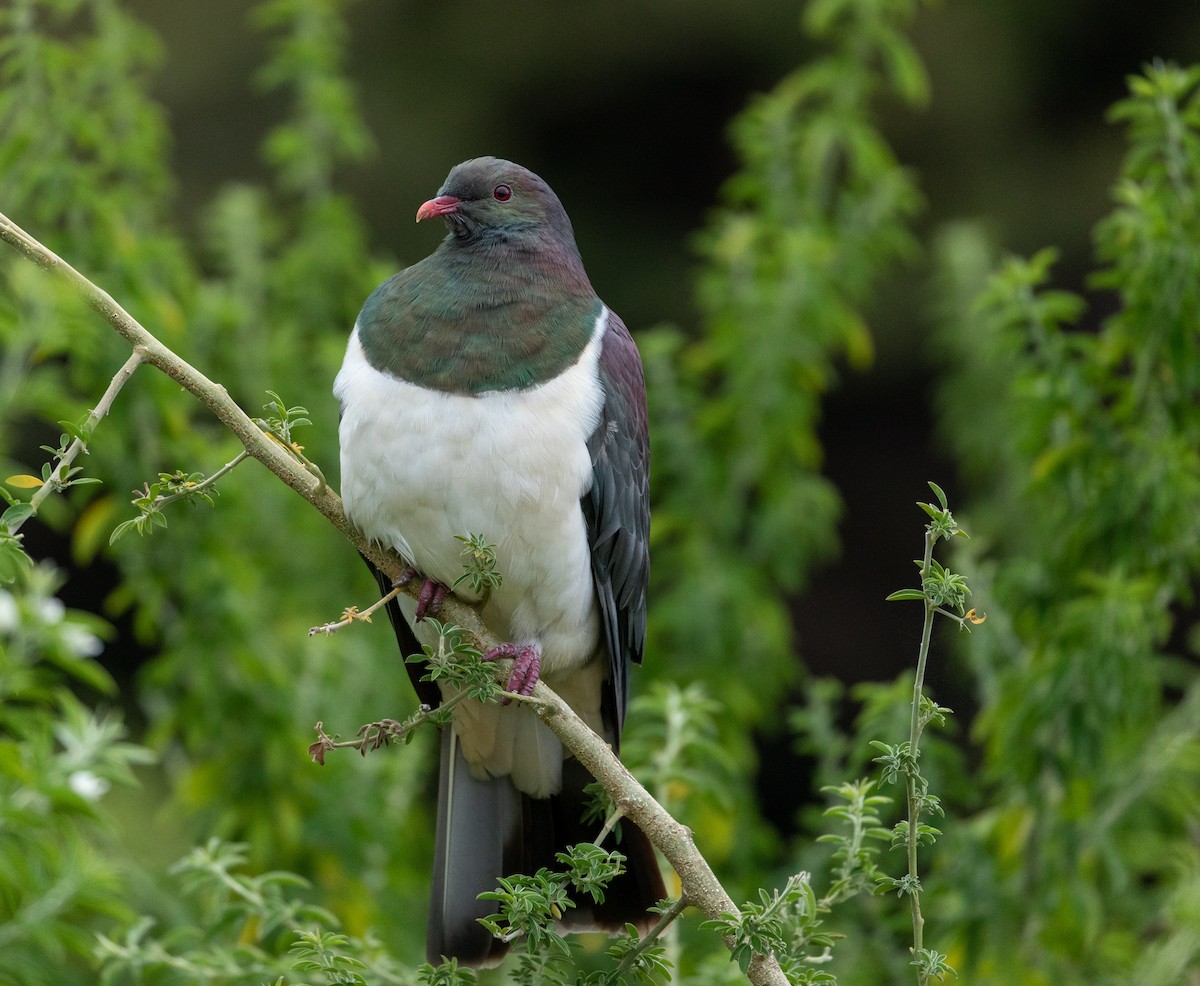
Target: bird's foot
<point>431,596</point>
<point>526,669</point>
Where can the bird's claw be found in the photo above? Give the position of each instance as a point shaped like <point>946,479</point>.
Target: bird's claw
<point>431,596</point>
<point>429,602</point>
<point>526,668</point>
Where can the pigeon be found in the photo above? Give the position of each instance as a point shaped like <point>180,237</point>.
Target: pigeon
<point>487,390</point>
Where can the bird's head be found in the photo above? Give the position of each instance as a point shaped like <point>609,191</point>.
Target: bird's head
<point>489,198</point>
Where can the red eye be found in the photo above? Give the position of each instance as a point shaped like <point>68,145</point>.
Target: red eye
<point>502,193</point>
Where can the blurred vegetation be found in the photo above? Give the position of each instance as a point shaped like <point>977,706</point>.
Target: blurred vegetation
<point>1070,795</point>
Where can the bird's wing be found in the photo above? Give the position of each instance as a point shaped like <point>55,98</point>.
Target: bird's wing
<point>617,512</point>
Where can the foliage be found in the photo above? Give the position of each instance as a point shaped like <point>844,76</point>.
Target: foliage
<point>481,574</point>
<point>901,762</point>
<point>789,922</point>
<point>1087,476</point>
<point>817,183</point>
<point>766,927</point>
<point>58,759</point>
<point>818,210</point>
<point>244,930</point>
<point>222,600</point>
<point>675,753</point>
<point>1069,848</point>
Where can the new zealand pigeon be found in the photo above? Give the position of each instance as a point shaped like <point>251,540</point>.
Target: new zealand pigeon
<point>487,389</point>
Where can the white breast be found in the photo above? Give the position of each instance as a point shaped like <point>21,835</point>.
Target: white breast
<point>419,467</point>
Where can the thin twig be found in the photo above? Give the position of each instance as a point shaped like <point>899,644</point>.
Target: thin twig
<point>665,920</point>
<point>162,501</point>
<point>376,734</point>
<point>120,378</point>
<point>610,823</point>
<point>352,614</point>
<point>914,738</point>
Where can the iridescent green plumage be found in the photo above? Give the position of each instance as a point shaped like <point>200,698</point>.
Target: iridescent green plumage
<point>502,304</point>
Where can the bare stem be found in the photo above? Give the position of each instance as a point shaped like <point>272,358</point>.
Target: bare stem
<point>665,920</point>
<point>352,614</point>
<point>120,378</point>
<point>914,739</point>
<point>162,501</point>
<point>610,823</point>
<point>376,734</point>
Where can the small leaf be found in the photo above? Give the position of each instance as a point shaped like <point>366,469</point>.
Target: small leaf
<point>18,513</point>
<point>937,491</point>
<point>13,560</point>
<point>73,431</point>
<point>122,529</point>
<point>905,594</point>
<point>24,482</point>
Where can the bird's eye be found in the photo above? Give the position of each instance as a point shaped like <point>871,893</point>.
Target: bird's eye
<point>502,193</point>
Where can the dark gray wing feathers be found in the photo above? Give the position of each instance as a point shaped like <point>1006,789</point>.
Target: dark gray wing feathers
<point>617,511</point>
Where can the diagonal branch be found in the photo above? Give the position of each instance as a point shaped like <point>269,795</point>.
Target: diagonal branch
<point>78,445</point>
<point>700,885</point>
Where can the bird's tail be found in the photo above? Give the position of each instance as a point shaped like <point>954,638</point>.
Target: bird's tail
<point>487,829</point>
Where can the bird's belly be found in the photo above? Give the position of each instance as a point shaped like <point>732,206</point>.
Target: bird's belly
<point>419,467</point>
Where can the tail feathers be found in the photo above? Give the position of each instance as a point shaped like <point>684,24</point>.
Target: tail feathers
<point>487,829</point>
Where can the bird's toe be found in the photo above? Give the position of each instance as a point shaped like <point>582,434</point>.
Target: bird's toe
<point>526,668</point>
<point>431,596</point>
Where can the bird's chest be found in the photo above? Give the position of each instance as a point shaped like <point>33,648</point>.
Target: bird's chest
<point>420,466</point>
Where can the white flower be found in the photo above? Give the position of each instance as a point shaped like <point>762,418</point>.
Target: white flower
<point>87,785</point>
<point>8,612</point>
<point>51,609</point>
<point>80,641</point>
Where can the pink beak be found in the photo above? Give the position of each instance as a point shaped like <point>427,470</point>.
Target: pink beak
<point>443,205</point>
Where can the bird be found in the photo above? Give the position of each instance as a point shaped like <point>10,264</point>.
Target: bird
<point>487,389</point>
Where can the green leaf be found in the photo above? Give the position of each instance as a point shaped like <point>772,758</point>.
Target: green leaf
<point>16,515</point>
<point>73,432</point>
<point>14,562</point>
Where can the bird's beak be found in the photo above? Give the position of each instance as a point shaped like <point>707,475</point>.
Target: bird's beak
<point>443,205</point>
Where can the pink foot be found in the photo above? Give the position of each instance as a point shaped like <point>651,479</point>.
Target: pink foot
<point>432,594</point>
<point>526,669</point>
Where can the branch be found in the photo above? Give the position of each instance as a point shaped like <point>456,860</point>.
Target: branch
<point>699,884</point>
<point>78,445</point>
<point>668,917</point>
<point>204,484</point>
<point>354,614</point>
